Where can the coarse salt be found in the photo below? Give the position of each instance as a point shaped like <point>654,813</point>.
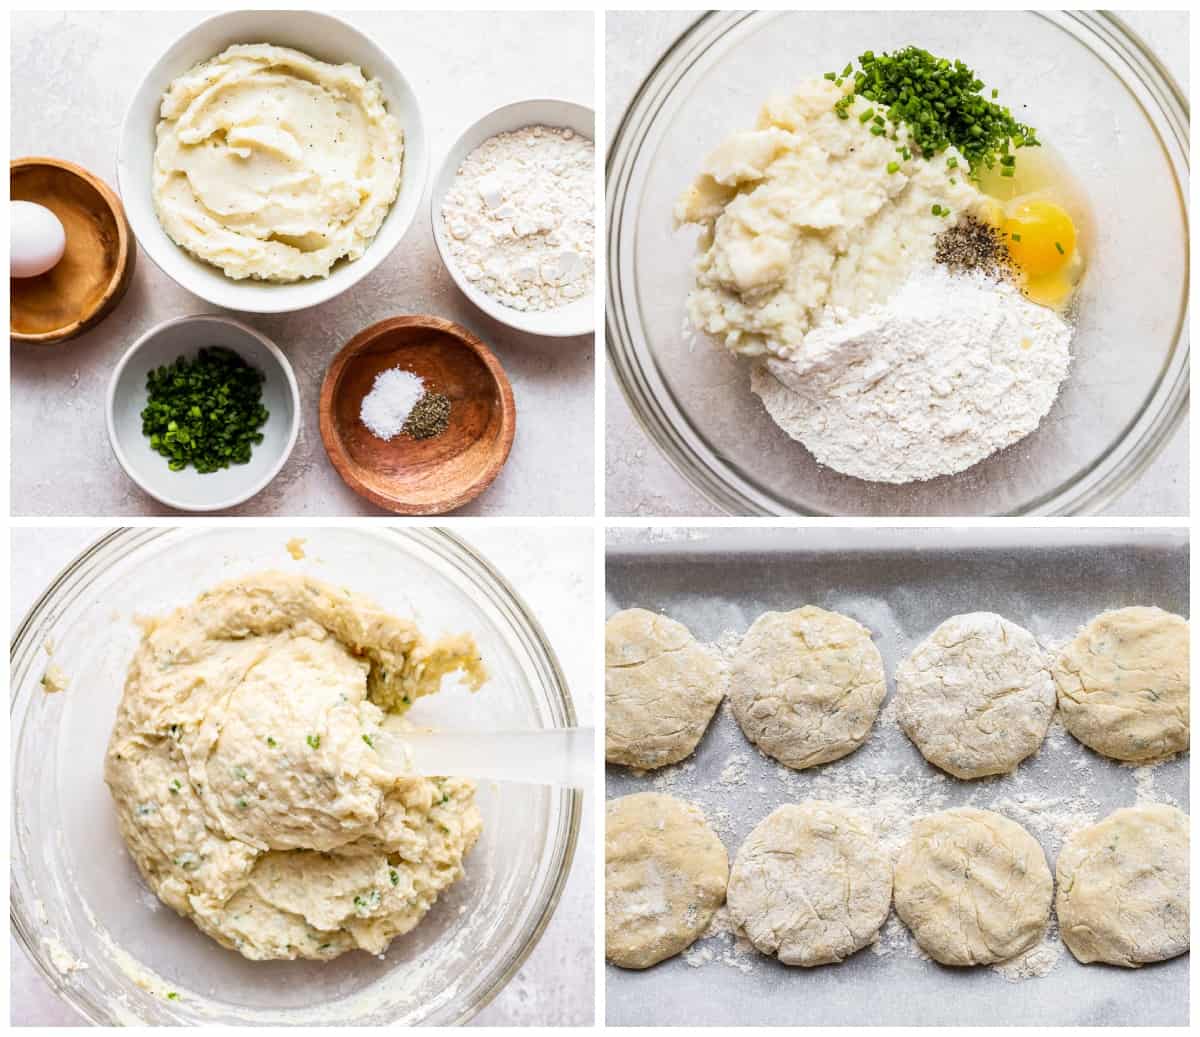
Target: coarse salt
<point>387,406</point>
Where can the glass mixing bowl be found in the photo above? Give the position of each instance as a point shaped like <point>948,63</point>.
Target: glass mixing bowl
<point>1094,92</point>
<point>76,894</point>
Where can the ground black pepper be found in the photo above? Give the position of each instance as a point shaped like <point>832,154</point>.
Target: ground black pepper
<point>972,244</point>
<point>429,417</point>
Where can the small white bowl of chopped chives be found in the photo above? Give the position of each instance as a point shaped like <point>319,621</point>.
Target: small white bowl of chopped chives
<point>514,216</point>
<point>203,412</point>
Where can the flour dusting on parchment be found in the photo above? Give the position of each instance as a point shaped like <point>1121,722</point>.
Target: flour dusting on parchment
<point>886,780</point>
<point>891,798</point>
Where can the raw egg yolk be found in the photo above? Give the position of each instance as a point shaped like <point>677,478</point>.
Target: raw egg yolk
<point>1053,291</point>
<point>1040,236</point>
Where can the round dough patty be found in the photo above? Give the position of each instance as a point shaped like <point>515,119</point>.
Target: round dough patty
<point>1123,684</point>
<point>976,696</point>
<point>810,884</point>
<point>661,688</point>
<point>665,872</point>
<point>1123,887</point>
<point>806,685</point>
<point>973,887</point>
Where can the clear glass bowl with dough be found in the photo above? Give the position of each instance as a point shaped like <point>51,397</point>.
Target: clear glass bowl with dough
<point>1093,90</point>
<point>76,894</point>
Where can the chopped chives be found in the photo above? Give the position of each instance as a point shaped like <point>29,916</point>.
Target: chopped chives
<point>1061,250</point>
<point>893,167</point>
<point>941,103</point>
<point>206,411</point>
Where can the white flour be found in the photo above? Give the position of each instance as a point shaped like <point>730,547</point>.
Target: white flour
<point>520,219</point>
<point>892,799</point>
<point>951,369</point>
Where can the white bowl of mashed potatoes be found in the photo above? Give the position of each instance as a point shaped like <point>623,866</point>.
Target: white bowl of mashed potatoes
<point>271,160</point>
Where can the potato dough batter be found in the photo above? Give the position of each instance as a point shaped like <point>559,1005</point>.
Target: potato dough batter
<point>973,887</point>
<point>272,164</point>
<point>1123,684</point>
<point>807,685</point>
<point>661,688</point>
<point>665,872</point>
<point>246,784</point>
<point>976,696</point>
<point>1123,887</point>
<point>810,884</point>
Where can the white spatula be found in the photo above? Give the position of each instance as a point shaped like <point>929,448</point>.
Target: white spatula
<point>560,756</point>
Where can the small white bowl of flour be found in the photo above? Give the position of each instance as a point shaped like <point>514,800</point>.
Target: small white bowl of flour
<point>514,216</point>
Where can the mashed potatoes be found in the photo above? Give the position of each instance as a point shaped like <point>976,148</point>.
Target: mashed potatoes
<point>801,214</point>
<point>272,164</point>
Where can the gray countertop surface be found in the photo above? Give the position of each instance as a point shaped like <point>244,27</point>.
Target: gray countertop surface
<point>639,480</point>
<point>554,573</point>
<point>73,74</point>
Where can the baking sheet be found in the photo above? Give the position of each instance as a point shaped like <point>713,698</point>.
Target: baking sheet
<point>901,584</point>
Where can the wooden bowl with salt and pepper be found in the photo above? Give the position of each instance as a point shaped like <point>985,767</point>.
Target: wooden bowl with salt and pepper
<point>407,475</point>
<point>97,266</point>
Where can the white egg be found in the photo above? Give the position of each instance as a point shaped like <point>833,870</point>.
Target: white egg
<point>37,239</point>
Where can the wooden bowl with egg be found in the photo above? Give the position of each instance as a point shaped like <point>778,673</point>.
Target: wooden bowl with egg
<point>86,284</point>
<point>411,476</point>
